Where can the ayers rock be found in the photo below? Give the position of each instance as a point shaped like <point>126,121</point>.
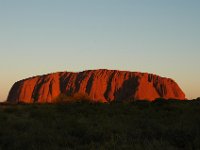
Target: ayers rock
<point>98,85</point>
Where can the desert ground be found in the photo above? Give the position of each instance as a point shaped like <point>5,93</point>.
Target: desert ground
<point>85,125</point>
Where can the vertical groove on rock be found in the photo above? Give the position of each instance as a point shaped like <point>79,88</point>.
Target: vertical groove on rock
<point>109,86</point>
<point>89,84</point>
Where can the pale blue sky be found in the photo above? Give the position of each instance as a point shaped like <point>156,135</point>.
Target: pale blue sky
<point>156,36</point>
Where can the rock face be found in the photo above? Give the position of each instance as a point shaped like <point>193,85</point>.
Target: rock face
<point>98,85</point>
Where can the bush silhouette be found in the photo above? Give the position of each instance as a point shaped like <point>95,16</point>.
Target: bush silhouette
<point>64,98</point>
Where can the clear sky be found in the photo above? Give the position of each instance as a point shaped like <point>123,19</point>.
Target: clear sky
<point>156,36</point>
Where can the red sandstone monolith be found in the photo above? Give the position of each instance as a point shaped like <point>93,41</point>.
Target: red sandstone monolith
<point>97,85</point>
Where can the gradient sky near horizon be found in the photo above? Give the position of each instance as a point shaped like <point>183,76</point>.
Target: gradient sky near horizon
<point>155,36</point>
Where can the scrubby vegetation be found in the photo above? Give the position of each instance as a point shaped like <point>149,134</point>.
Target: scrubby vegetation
<point>82,125</point>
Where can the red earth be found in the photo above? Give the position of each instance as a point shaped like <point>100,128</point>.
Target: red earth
<point>98,85</point>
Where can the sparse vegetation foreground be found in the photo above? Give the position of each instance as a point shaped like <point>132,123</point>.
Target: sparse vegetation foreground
<point>165,125</point>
